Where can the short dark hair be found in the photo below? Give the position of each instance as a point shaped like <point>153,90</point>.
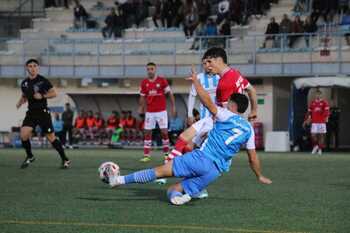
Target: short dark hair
<point>32,60</point>
<point>241,101</point>
<point>151,64</point>
<point>215,52</point>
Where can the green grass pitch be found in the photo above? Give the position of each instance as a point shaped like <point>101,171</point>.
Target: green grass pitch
<point>308,194</point>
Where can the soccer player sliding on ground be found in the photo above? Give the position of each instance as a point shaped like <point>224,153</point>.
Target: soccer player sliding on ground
<point>202,166</point>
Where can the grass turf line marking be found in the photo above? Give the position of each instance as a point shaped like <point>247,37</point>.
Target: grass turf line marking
<point>113,225</point>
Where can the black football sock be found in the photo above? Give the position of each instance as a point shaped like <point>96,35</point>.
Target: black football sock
<point>58,146</point>
<point>28,148</point>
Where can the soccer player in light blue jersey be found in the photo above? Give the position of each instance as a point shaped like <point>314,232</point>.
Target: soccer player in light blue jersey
<point>209,82</point>
<point>203,166</point>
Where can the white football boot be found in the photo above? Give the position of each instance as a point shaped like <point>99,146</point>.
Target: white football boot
<point>160,181</point>
<point>202,194</point>
<point>314,150</point>
<point>180,200</point>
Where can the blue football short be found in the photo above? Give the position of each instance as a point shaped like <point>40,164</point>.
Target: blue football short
<point>198,171</point>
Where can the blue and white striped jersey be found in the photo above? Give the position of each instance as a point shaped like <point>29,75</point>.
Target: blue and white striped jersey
<point>209,83</point>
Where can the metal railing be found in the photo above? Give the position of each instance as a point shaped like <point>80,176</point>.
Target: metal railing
<point>302,54</point>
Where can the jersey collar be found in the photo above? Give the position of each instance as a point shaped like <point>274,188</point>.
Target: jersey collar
<point>224,71</point>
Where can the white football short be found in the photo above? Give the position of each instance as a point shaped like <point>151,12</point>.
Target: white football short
<point>151,118</point>
<point>318,128</point>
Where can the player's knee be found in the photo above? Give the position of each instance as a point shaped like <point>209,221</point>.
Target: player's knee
<point>25,134</point>
<point>51,137</point>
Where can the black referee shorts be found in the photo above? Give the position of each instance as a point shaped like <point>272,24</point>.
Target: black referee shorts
<point>41,118</point>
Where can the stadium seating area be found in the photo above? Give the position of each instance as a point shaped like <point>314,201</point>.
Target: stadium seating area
<point>57,43</point>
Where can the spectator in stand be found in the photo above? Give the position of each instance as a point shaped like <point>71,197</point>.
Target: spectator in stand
<point>301,6</point>
<point>100,127</point>
<point>225,31</point>
<point>113,26</point>
<point>80,15</point>
<point>272,29</point>
<point>297,28</point>
<point>80,126</point>
<point>141,7</point>
<point>211,32</point>
<point>285,28</point>
<point>112,123</point>
<point>323,8</point>
<point>67,117</point>
<point>223,11</point>
<point>190,22</point>
<point>90,123</point>
<point>236,11</point>
<point>203,10</point>
<point>130,127</point>
<point>199,32</point>
<point>160,12</point>
<point>309,27</point>
<point>345,25</point>
<point>50,3</point>
<point>176,126</point>
<point>58,126</point>
<point>178,7</point>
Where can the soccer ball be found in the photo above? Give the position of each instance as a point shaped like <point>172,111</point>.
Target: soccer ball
<point>106,170</point>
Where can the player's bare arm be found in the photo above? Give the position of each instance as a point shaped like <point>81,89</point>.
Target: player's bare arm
<point>48,95</point>
<point>253,103</point>
<point>203,95</point>
<point>172,102</point>
<point>141,105</point>
<point>21,101</point>
<point>254,163</point>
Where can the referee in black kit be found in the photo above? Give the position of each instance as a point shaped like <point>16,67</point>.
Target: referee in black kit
<point>36,90</point>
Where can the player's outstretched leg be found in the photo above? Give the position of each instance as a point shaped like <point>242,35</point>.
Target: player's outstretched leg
<point>143,176</point>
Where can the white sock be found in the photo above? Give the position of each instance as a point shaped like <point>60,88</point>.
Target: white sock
<point>121,179</point>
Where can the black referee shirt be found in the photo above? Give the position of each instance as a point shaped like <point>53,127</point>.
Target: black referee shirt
<point>37,85</point>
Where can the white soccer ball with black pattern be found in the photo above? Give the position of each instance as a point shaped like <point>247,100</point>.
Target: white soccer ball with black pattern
<point>106,170</point>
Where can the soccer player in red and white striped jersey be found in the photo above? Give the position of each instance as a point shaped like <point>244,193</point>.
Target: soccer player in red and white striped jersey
<point>153,101</point>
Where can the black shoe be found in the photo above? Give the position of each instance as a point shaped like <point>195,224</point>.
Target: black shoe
<point>27,161</point>
<point>65,164</point>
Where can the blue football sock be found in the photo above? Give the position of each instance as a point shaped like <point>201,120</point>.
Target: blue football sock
<point>143,176</point>
<point>173,193</point>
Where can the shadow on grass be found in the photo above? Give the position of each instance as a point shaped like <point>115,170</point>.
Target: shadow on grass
<point>134,194</point>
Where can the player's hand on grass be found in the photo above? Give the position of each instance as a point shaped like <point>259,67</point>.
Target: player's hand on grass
<point>38,96</point>
<point>264,180</point>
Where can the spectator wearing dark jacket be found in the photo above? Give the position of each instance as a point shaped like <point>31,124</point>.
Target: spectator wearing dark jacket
<point>285,28</point>
<point>113,25</point>
<point>203,10</point>
<point>309,27</point>
<point>272,29</point>
<point>80,15</point>
<point>297,28</point>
